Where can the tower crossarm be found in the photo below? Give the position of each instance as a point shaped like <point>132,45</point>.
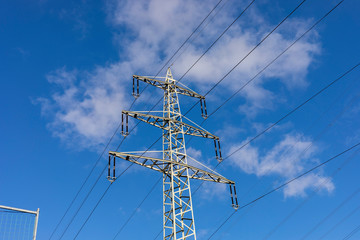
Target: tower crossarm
<point>177,126</point>
<point>162,165</point>
<point>163,85</point>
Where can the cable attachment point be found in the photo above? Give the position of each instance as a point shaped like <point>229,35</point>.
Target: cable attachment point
<point>234,200</point>
<point>137,93</point>
<point>218,150</point>
<point>113,177</point>
<point>126,132</point>
<point>203,108</point>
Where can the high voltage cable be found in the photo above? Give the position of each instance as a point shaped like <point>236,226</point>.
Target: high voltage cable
<point>282,118</point>
<point>82,203</point>
<point>340,222</point>
<point>97,180</point>
<point>180,48</point>
<point>319,21</point>
<point>270,63</point>
<point>190,36</point>
<point>292,111</point>
<point>275,59</point>
<point>352,233</point>
<point>221,35</point>
<point>331,214</point>
<point>316,23</point>
<point>110,140</point>
<point>321,133</point>
<point>262,40</point>
<point>97,204</point>
<point>299,106</point>
<point>138,207</point>
<point>268,235</point>
<point>272,126</point>
<point>318,187</point>
<point>192,65</point>
<point>83,184</point>
<point>253,49</point>
<point>198,33</point>
<point>283,185</point>
<point>285,116</point>
<point>92,211</point>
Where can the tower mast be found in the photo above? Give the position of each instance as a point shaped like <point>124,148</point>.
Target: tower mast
<point>178,216</point>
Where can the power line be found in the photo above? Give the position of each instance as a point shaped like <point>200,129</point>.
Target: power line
<point>295,109</point>
<point>286,115</point>
<point>110,140</point>
<point>352,233</point>
<point>331,214</point>
<point>307,199</point>
<point>221,35</point>
<point>109,187</point>
<point>316,23</point>
<point>190,35</point>
<point>97,180</point>
<point>340,222</point>
<point>311,126</point>
<point>92,211</point>
<point>274,125</point>
<point>138,207</point>
<point>283,185</point>
<point>270,63</point>
<point>135,100</point>
<point>82,203</point>
<point>188,38</point>
<point>303,1</point>
<point>275,59</point>
<point>298,40</point>
<point>253,49</point>
<point>194,63</point>
<point>262,40</point>
<point>292,111</point>
<point>282,118</point>
<point>98,202</point>
<point>318,187</point>
<point>199,32</point>
<point>83,184</point>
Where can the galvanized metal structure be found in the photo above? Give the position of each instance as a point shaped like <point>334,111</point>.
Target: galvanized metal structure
<point>19,210</point>
<point>178,216</point>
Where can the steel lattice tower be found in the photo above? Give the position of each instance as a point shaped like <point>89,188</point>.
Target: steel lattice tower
<point>178,216</point>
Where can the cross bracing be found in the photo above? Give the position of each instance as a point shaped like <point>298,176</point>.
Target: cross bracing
<point>162,165</point>
<point>162,122</point>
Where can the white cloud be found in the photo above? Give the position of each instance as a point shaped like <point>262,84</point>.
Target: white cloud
<point>194,153</point>
<point>313,181</point>
<point>286,159</point>
<point>290,69</point>
<point>86,105</point>
<point>210,190</point>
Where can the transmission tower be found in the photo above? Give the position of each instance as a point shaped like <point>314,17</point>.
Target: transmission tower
<point>178,216</point>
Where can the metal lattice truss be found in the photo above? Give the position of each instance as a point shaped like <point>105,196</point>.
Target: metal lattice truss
<point>162,165</point>
<point>177,126</point>
<point>169,83</point>
<point>178,216</point>
<point>164,85</point>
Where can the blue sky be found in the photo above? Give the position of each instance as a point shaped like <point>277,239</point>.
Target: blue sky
<point>66,75</point>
